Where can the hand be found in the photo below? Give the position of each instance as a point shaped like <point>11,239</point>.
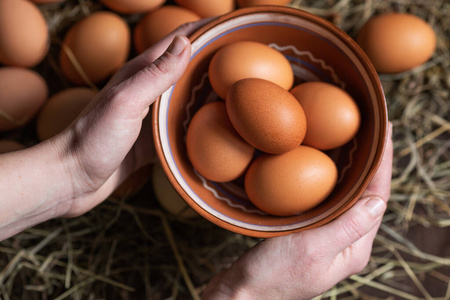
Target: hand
<point>74,171</point>
<point>306,264</point>
<point>109,141</point>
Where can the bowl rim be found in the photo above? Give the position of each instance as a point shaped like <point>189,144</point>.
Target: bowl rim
<point>374,79</point>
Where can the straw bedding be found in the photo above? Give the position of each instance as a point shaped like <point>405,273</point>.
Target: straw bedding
<point>133,249</point>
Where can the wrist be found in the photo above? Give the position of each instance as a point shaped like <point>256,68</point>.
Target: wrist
<point>227,286</point>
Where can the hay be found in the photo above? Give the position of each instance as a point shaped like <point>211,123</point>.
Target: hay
<point>132,249</point>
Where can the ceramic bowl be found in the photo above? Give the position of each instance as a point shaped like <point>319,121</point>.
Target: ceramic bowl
<point>318,51</point>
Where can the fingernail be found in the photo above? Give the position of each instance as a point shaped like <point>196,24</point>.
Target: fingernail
<point>375,206</point>
<point>177,46</point>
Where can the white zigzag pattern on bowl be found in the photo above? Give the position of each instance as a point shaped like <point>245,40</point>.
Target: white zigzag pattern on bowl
<point>228,201</point>
<point>350,163</point>
<point>316,60</point>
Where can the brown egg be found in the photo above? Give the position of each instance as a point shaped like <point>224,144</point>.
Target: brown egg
<point>99,43</point>
<point>208,8</point>
<point>247,59</point>
<point>22,94</point>
<point>61,110</point>
<point>167,196</point>
<point>332,115</point>
<point>133,184</point>
<point>159,23</point>
<point>7,145</point>
<point>397,42</point>
<point>267,116</point>
<point>24,37</point>
<point>247,3</point>
<point>213,146</point>
<point>290,183</point>
<point>47,1</point>
<point>132,6</point>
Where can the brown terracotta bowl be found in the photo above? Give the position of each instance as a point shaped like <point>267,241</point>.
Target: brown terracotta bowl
<point>318,51</point>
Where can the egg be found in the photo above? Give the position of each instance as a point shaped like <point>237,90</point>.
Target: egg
<point>248,59</point>
<point>133,184</point>
<point>132,6</point>
<point>290,183</point>
<point>267,116</point>
<point>247,3</point>
<point>61,110</point>
<point>208,8</point>
<point>24,36</point>
<point>7,145</point>
<point>332,115</point>
<point>397,42</point>
<point>167,196</point>
<point>214,148</point>
<point>159,23</point>
<point>22,94</point>
<point>99,44</point>
<point>47,1</point>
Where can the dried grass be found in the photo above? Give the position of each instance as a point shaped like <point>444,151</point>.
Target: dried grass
<point>130,249</point>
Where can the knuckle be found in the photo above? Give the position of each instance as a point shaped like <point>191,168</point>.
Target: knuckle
<point>353,229</point>
<point>159,67</point>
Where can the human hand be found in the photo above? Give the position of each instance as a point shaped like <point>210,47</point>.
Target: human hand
<point>109,140</point>
<point>74,171</point>
<point>305,264</point>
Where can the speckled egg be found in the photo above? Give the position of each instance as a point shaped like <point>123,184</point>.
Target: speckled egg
<point>208,8</point>
<point>61,110</point>
<point>290,183</point>
<point>98,45</point>
<point>332,115</point>
<point>214,148</point>
<point>248,59</point>
<point>22,94</point>
<point>159,23</point>
<point>24,37</point>
<point>132,6</point>
<point>397,42</point>
<point>267,116</point>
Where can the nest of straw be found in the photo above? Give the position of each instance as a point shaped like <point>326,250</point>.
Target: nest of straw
<point>133,249</point>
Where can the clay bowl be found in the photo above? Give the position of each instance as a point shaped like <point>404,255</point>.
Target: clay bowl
<point>318,51</point>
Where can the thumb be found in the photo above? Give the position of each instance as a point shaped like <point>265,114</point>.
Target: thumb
<point>140,90</point>
<point>347,229</point>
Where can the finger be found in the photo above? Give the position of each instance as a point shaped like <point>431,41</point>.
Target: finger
<point>155,51</point>
<point>381,183</point>
<point>331,239</point>
<point>134,95</point>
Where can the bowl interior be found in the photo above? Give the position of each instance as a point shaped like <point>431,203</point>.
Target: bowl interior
<point>318,51</point>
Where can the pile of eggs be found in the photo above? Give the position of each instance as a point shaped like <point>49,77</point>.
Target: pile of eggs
<point>268,131</point>
<point>94,45</point>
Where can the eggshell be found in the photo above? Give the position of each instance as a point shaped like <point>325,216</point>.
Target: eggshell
<point>24,37</point>
<point>208,8</point>
<point>7,145</point>
<point>248,59</point>
<point>22,94</point>
<point>47,1</point>
<point>133,184</point>
<point>100,44</point>
<point>159,23</point>
<point>332,115</point>
<point>267,116</point>
<point>214,148</point>
<point>397,42</point>
<point>290,183</point>
<point>132,6</point>
<point>167,196</point>
<point>247,3</point>
<point>61,110</point>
